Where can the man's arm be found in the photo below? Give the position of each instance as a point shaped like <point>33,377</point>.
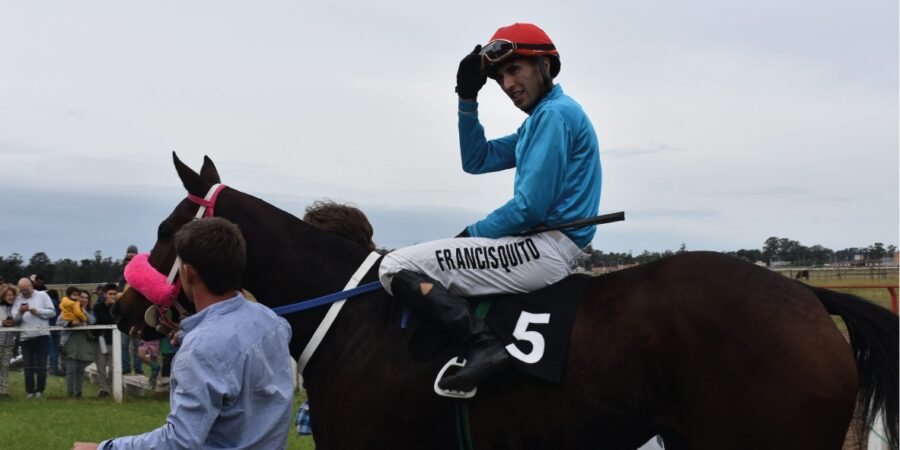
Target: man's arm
<point>17,315</point>
<point>478,154</point>
<point>539,180</point>
<point>196,401</point>
<point>45,309</point>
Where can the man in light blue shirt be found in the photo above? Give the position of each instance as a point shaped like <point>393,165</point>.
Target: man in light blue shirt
<point>232,384</point>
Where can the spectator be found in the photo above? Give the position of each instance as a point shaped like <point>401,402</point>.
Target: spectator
<point>346,221</point>
<point>343,220</point>
<point>167,351</point>
<point>37,281</point>
<point>103,354</point>
<point>34,309</point>
<point>149,354</point>
<point>79,349</point>
<point>232,384</point>
<point>129,253</point>
<point>7,339</point>
<point>130,356</point>
<point>53,350</point>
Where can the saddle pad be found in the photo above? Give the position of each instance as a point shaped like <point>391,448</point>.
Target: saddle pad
<point>537,326</point>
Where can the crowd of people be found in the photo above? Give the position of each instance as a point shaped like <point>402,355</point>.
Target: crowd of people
<point>31,306</point>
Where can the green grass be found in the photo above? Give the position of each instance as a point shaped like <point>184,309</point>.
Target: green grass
<point>880,296</point>
<point>56,421</point>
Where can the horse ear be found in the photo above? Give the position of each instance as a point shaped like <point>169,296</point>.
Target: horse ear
<point>189,178</point>
<point>208,173</point>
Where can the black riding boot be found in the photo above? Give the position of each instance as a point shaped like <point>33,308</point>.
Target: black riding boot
<point>486,355</point>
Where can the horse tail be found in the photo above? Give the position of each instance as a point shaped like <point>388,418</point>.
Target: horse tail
<point>873,334</point>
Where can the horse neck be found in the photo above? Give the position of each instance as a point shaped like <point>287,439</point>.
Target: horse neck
<point>289,260</point>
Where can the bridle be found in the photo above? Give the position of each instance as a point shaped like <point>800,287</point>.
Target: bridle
<point>206,208</point>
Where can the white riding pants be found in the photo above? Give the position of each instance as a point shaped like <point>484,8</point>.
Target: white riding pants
<point>475,266</point>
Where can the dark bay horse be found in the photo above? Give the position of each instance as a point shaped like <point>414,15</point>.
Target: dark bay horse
<point>706,350</point>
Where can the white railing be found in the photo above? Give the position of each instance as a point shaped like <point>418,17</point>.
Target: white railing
<point>116,349</point>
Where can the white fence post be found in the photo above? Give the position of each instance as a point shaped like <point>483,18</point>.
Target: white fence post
<point>117,365</point>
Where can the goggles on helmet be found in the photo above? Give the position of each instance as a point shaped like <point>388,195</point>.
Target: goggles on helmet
<point>499,49</point>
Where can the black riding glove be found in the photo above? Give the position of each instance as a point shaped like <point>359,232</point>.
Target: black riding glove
<point>469,77</point>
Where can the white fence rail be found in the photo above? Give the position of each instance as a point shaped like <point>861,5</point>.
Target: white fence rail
<point>116,362</point>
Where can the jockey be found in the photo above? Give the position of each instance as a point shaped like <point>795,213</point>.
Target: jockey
<point>557,161</point>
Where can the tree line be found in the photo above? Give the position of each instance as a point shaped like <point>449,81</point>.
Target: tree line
<point>773,249</point>
<point>62,271</point>
<point>101,269</point>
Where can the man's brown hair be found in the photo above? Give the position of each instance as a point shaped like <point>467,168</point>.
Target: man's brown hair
<point>215,248</point>
<point>343,220</point>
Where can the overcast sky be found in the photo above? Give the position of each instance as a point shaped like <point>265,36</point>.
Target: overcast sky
<point>721,123</point>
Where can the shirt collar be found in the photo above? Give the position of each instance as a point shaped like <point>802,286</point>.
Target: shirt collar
<point>219,308</point>
<point>554,92</point>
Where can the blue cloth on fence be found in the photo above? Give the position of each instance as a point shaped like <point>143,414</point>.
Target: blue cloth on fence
<point>304,427</point>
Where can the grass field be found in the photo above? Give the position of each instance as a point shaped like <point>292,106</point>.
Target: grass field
<point>880,296</point>
<point>56,421</point>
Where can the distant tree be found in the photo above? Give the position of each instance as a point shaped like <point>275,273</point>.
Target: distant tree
<point>66,271</point>
<point>11,268</point>
<point>820,255</point>
<point>771,249</point>
<point>749,255</point>
<point>40,264</point>
<point>682,248</point>
<point>847,254</point>
<point>876,251</point>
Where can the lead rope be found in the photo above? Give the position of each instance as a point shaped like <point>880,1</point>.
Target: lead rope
<point>461,407</point>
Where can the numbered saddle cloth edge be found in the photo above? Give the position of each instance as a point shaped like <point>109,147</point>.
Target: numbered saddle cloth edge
<point>537,326</point>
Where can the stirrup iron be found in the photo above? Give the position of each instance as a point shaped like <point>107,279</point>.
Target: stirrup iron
<point>454,362</point>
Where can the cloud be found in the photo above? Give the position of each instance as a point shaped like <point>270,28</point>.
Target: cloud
<point>761,192</point>
<point>631,152</point>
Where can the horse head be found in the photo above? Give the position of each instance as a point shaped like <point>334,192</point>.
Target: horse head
<point>132,305</point>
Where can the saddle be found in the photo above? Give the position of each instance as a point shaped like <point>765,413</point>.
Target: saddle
<point>536,327</point>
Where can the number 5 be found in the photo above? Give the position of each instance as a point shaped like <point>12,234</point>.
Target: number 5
<point>537,339</point>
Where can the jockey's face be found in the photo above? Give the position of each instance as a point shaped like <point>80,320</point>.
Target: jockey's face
<point>521,80</point>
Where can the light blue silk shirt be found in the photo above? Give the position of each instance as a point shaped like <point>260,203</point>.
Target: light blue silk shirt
<point>232,385</point>
<point>557,160</point>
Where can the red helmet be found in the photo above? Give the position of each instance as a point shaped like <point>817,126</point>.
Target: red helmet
<point>521,39</point>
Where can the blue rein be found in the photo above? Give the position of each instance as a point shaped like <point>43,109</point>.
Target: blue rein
<point>326,299</point>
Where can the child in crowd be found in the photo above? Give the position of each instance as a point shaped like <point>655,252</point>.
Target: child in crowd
<point>71,312</point>
<point>7,339</point>
<point>148,352</point>
<point>71,306</point>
